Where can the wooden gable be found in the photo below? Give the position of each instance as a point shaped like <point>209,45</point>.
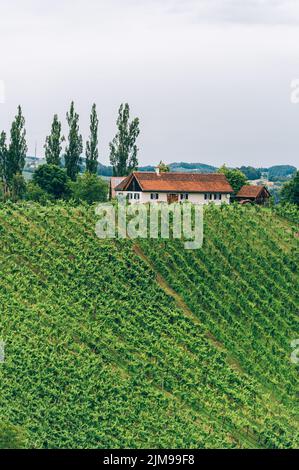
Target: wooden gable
<point>133,185</point>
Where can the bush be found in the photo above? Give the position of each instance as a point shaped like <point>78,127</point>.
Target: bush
<point>290,191</point>
<point>37,194</point>
<point>53,180</point>
<point>89,188</point>
<point>18,187</point>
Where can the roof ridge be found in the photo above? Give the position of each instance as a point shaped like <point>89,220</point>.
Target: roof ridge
<point>177,173</point>
<point>179,182</point>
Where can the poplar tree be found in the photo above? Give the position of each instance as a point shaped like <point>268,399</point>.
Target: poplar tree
<point>17,148</point>
<point>53,143</point>
<point>3,154</point>
<point>3,162</point>
<point>75,144</point>
<point>123,148</point>
<point>92,152</point>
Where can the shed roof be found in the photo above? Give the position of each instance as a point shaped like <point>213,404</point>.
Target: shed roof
<point>251,191</point>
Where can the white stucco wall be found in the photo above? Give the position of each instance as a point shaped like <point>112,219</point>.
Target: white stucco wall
<point>199,198</point>
<point>195,198</point>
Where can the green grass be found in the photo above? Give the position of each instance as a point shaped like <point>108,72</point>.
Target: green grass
<point>109,344</point>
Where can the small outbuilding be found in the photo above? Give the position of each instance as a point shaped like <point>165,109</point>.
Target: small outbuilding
<point>253,194</point>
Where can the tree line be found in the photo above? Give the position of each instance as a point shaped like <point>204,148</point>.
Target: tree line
<point>64,167</point>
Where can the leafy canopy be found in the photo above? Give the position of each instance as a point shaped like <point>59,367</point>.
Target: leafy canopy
<point>235,177</point>
<point>90,188</point>
<point>92,152</point>
<point>163,168</point>
<point>53,143</point>
<point>123,148</point>
<point>290,191</point>
<point>52,179</point>
<point>75,144</point>
<point>17,147</point>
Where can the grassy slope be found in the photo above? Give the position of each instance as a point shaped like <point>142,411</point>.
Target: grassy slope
<point>102,352</point>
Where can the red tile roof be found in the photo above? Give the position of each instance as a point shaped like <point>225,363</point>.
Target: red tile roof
<point>250,191</point>
<point>178,182</point>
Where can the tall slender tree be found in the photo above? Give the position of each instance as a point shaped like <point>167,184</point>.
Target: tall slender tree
<point>123,148</point>
<point>3,162</point>
<point>75,144</point>
<point>17,148</point>
<point>92,152</point>
<point>53,145</point>
<point>3,154</point>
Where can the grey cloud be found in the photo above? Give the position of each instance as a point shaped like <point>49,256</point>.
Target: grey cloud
<point>210,80</point>
<point>239,11</point>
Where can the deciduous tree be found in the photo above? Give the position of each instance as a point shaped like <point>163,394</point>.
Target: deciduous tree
<point>3,162</point>
<point>52,179</point>
<point>235,177</point>
<point>53,145</point>
<point>92,152</point>
<point>123,148</point>
<point>75,145</point>
<point>163,168</point>
<point>290,190</point>
<point>90,188</point>
<point>17,148</point>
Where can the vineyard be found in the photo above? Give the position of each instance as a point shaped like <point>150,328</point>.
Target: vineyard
<point>132,344</point>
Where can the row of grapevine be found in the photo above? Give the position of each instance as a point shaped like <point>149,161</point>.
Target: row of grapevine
<point>99,355</point>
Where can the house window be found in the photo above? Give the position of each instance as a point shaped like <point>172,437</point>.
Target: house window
<point>219,197</point>
<point>154,196</point>
<point>184,196</point>
<point>130,196</point>
<point>215,196</point>
<point>206,196</point>
<point>210,196</point>
<point>136,196</point>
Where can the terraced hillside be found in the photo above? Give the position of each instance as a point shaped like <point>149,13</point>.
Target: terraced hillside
<point>125,344</point>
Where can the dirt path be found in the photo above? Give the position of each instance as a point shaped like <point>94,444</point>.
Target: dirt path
<point>181,304</point>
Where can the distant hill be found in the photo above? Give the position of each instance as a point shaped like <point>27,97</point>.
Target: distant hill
<point>176,167</point>
<point>274,172</point>
<point>193,167</point>
<point>280,171</point>
<point>251,173</point>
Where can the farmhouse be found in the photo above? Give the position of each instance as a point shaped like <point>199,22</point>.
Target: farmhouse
<point>256,194</point>
<point>198,188</point>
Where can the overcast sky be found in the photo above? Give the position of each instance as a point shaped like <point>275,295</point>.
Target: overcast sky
<point>209,79</point>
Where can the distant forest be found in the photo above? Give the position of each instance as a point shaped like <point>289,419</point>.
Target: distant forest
<point>273,173</point>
